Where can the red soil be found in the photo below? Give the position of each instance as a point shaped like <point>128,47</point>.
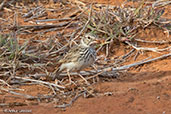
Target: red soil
<point>142,90</point>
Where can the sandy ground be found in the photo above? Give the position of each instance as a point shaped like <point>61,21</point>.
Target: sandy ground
<point>142,90</point>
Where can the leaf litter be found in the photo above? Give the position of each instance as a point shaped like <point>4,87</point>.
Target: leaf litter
<point>35,36</point>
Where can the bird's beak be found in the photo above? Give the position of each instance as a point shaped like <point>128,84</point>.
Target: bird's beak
<point>96,41</point>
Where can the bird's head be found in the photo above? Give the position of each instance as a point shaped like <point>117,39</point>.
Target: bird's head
<point>88,40</point>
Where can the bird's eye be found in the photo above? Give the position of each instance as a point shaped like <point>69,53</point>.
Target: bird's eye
<point>88,38</point>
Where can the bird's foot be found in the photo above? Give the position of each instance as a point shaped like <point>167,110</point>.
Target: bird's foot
<point>84,79</point>
<point>70,83</point>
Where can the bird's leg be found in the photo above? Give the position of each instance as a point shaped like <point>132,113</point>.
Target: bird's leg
<point>84,79</point>
<point>56,73</point>
<point>94,67</point>
<point>69,76</point>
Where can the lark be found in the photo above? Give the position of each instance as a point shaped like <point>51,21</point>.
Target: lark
<point>78,57</point>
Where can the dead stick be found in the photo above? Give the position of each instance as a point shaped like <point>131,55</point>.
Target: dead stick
<point>39,81</point>
<point>71,102</point>
<point>141,62</point>
<point>155,42</point>
<point>35,27</point>
<point>20,94</point>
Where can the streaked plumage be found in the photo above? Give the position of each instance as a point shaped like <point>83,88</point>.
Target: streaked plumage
<point>78,57</point>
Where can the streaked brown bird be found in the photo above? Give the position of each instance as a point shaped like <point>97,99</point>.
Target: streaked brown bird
<point>78,57</point>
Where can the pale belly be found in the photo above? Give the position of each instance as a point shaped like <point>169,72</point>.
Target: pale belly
<point>76,66</point>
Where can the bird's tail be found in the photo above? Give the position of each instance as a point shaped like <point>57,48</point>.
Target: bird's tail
<point>56,74</point>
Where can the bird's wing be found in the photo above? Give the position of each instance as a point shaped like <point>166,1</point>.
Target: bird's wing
<point>71,56</point>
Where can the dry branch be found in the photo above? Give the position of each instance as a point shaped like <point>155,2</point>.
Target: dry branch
<point>40,82</point>
<point>39,27</point>
<point>141,62</point>
<point>153,42</point>
<point>20,94</point>
<point>146,48</point>
<point>71,102</point>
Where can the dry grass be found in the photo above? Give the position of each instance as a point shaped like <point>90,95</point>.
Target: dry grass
<point>32,60</point>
